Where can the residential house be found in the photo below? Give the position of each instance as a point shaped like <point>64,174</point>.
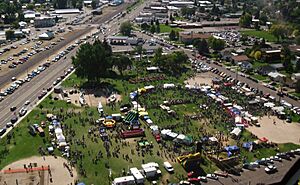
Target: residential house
<point>271,55</point>
<point>239,59</point>
<point>277,77</point>
<point>265,70</point>
<point>43,22</point>
<point>189,37</point>
<point>278,66</point>
<point>46,36</point>
<point>246,65</point>
<point>290,83</point>
<point>295,76</point>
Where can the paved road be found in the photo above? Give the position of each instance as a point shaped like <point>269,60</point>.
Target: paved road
<point>259,175</point>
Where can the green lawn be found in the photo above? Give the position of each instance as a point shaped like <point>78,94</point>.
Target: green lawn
<point>260,34</point>
<point>78,121</point>
<point>167,29</point>
<point>258,64</point>
<point>260,77</point>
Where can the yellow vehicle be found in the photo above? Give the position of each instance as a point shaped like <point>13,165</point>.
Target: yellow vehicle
<point>109,123</point>
<point>184,159</point>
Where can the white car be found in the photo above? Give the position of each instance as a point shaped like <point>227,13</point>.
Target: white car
<point>270,169</point>
<point>212,176</point>
<point>27,102</point>
<point>168,167</point>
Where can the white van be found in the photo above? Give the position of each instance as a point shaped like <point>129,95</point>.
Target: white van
<point>168,167</point>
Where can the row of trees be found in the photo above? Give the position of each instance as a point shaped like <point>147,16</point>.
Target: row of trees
<point>153,27</point>
<point>61,4</point>
<point>96,61</point>
<point>11,12</point>
<point>203,46</point>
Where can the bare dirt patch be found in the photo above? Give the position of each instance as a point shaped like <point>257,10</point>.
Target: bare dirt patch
<point>59,174</point>
<point>280,132</point>
<point>202,78</point>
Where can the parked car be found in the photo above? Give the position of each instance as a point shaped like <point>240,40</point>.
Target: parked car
<point>168,167</point>
<point>212,176</point>
<point>270,169</point>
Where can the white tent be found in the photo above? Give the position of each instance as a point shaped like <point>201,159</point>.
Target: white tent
<point>269,104</point>
<point>236,131</point>
<point>166,86</point>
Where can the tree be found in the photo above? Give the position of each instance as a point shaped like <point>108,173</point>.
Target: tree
<point>126,28</point>
<point>145,26</point>
<point>298,66</point>
<point>121,62</point>
<point>280,31</point>
<point>297,86</point>
<point>167,23</point>
<point>216,44</point>
<point>157,28</point>
<point>157,22</point>
<point>245,20</point>
<point>152,29</point>
<point>171,18</point>
<point>30,6</point>
<point>94,4</point>
<point>202,46</point>
<point>286,57</point>
<point>257,55</point>
<point>172,35</point>
<point>93,61</point>
<point>9,34</point>
<point>298,40</point>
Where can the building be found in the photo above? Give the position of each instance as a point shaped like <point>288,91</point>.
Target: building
<point>295,76</point>
<point>277,77</point>
<point>265,70</point>
<point>43,22</point>
<point>240,59</point>
<point>67,11</point>
<point>189,37</point>
<point>46,36</point>
<point>271,55</point>
<point>181,3</point>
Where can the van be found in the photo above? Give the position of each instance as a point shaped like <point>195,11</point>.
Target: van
<point>168,167</point>
<point>41,131</point>
<point>31,130</point>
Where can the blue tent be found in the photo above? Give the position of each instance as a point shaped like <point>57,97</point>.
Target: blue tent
<point>231,148</point>
<point>81,183</point>
<point>247,145</point>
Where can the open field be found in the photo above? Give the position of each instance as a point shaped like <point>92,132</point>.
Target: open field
<point>260,34</point>
<point>88,154</point>
<point>57,172</point>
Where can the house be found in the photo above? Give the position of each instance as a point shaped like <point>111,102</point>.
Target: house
<point>295,76</point>
<point>278,66</point>
<point>43,22</point>
<point>246,65</point>
<point>277,77</point>
<point>290,83</point>
<point>265,70</point>
<point>240,59</point>
<point>189,37</point>
<point>271,55</point>
<point>46,36</point>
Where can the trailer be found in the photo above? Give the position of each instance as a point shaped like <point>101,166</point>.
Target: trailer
<point>139,178</point>
<point>133,133</point>
<point>127,180</point>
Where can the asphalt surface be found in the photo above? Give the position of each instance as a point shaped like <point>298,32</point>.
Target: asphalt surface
<point>31,90</point>
<point>259,175</point>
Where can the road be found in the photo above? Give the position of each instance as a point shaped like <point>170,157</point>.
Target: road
<point>31,90</point>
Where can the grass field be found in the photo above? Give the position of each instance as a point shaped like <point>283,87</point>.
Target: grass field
<point>79,121</point>
<point>167,29</point>
<point>260,34</point>
<point>260,77</point>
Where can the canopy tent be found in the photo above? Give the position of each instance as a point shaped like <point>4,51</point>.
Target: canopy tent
<point>236,131</point>
<point>269,104</point>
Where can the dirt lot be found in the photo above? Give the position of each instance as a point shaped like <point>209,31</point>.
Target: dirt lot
<point>59,174</point>
<point>202,78</point>
<point>280,132</point>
